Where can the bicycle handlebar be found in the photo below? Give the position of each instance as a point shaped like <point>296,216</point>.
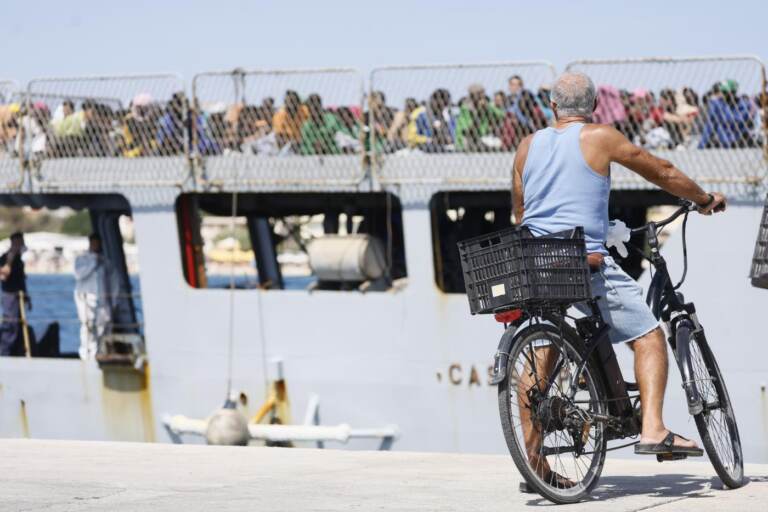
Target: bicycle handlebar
<point>687,207</point>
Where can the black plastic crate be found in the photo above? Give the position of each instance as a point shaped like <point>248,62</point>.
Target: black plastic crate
<point>513,269</point>
<point>759,270</point>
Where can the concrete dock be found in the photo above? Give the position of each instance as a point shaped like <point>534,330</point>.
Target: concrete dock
<point>88,476</point>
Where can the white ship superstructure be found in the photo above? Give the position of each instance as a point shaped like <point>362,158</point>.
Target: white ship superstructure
<point>381,339</point>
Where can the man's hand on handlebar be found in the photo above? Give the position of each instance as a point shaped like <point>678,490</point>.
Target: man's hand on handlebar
<point>717,203</point>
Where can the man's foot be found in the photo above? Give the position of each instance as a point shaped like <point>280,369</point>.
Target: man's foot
<point>667,442</point>
<point>541,467</point>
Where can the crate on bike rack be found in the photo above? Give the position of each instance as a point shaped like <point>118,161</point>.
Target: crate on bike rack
<point>513,269</point>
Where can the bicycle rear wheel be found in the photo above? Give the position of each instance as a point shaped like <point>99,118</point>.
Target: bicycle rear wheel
<point>716,422</point>
<point>543,430</point>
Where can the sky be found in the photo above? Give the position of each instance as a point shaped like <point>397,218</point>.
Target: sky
<point>102,37</point>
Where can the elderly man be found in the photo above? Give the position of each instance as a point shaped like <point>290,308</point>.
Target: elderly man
<point>561,180</point>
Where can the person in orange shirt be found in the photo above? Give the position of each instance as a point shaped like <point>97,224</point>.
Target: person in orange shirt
<point>287,121</point>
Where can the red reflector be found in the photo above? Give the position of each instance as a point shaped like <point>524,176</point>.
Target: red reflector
<point>507,317</point>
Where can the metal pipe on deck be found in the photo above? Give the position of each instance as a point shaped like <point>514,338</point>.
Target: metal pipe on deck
<point>178,425</point>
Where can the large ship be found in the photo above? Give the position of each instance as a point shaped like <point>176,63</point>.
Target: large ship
<point>317,170</point>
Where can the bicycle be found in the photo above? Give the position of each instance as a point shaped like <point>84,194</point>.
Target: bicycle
<point>581,401</point>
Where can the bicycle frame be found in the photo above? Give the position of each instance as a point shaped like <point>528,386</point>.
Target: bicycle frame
<point>594,331</point>
<point>666,304</point>
<point>669,306</point>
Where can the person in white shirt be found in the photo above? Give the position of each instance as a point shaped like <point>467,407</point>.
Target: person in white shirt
<point>96,286</point>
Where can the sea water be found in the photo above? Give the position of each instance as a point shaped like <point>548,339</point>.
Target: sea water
<point>53,300</point>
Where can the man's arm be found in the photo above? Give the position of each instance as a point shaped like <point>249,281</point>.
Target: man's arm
<point>5,264</point>
<point>658,171</point>
<point>518,204</point>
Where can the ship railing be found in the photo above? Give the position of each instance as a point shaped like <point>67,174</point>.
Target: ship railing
<point>278,128</point>
<point>705,114</point>
<point>104,132</point>
<point>457,125</point>
<point>52,324</point>
<point>418,127</point>
<point>8,88</point>
<point>11,100</point>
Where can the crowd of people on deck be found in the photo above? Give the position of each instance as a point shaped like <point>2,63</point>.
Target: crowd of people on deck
<point>478,121</point>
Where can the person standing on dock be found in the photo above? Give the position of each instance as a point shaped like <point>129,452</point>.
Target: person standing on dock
<point>14,288</point>
<point>95,283</point>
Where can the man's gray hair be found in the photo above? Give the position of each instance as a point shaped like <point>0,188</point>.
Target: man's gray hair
<point>574,94</point>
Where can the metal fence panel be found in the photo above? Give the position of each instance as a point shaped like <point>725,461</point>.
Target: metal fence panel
<point>8,88</point>
<point>10,109</point>
<point>105,131</point>
<point>705,114</point>
<point>273,128</point>
<point>454,125</point>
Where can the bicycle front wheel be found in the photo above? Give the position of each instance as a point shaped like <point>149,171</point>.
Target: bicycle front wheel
<point>555,445</point>
<point>716,422</point>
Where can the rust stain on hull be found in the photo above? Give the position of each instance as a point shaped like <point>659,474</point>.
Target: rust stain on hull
<point>24,419</point>
<point>127,404</point>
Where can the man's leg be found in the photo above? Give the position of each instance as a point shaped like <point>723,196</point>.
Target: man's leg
<point>9,334</point>
<point>544,359</point>
<point>651,367</point>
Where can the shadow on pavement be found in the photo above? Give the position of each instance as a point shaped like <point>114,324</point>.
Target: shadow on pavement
<point>656,486</point>
<point>651,486</point>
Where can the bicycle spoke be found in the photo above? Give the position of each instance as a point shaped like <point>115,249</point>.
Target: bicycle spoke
<point>716,421</point>
<point>541,413</point>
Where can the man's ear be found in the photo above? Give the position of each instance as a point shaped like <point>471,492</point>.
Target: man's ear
<point>554,108</point>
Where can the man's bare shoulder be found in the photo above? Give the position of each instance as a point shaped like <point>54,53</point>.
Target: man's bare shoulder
<point>600,133</point>
<point>522,152</point>
<point>525,143</point>
<point>599,144</point>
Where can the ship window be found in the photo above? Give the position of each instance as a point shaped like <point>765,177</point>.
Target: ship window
<point>457,216</point>
<point>329,241</point>
<point>56,229</point>
<point>460,215</point>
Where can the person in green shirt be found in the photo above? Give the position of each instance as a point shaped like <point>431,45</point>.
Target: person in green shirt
<point>478,122</point>
<point>71,123</point>
<point>318,133</point>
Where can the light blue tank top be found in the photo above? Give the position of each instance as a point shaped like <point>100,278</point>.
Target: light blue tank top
<point>561,191</point>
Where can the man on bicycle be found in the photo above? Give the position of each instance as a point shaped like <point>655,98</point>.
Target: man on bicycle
<point>561,180</point>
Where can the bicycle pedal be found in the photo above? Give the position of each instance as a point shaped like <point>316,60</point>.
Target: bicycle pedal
<point>662,457</point>
<point>526,489</point>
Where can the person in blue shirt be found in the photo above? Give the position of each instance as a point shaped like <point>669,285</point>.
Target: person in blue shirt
<point>172,129</point>
<point>729,119</point>
<point>433,127</point>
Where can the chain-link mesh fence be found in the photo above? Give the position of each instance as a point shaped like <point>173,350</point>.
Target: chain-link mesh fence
<point>706,115</point>
<point>277,128</point>
<point>8,88</point>
<point>10,108</point>
<point>105,131</point>
<point>455,124</point>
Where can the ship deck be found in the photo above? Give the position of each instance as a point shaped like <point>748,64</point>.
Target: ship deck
<point>84,476</point>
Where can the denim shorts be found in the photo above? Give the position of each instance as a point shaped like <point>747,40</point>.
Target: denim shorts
<point>621,303</point>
